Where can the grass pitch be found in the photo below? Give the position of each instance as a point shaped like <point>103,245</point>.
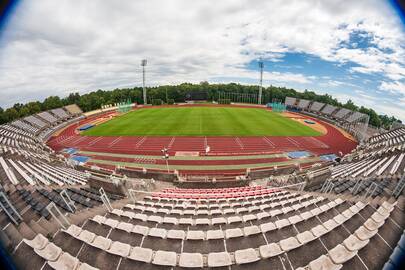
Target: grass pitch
<point>201,121</point>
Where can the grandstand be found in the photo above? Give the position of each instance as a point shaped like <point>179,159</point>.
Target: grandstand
<point>356,123</point>
<point>58,214</point>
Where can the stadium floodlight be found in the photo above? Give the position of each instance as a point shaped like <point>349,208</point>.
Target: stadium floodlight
<point>143,64</point>
<point>261,66</point>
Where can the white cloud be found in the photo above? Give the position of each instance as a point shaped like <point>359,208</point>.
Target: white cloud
<point>52,47</point>
<point>395,87</point>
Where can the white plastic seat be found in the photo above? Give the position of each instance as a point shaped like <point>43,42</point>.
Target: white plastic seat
<point>348,213</point>
<point>270,250</point>
<point>142,230</point>
<point>191,260</point>
<point>249,217</point>
<point>117,212</point>
<point>266,227</point>
<point>50,252</point>
<point>340,254</point>
<point>289,244</point>
<point>330,224</point>
<point>251,230</point>
<point>262,215</point>
<point>124,226</point>
<point>306,215</point>
<point>195,235</point>
<point>120,249</point>
<point>281,223</point>
<point>364,234</point>
<point>295,219</point>
<point>216,212</point>
<point>319,230</point>
<point>218,220</point>
<point>129,214</point>
<point>101,242</point>
<point>176,234</point>
<point>340,219</point>
<point>305,237</point>
<point>99,219</point>
<point>86,236</point>
<point>113,223</point>
<point>176,212</point>
<point>202,221</point>
<point>39,242</point>
<point>186,221</point>
<point>244,256</point>
<point>157,232</point>
<point>202,212</point>
<point>229,211</point>
<point>372,225</point>
<point>233,233</point>
<point>163,211</point>
<point>85,266</point>
<point>156,219</point>
<point>170,220</point>
<point>219,259</point>
<point>324,263</point>
<point>352,243</point>
<point>141,254</point>
<point>165,258</point>
<point>65,262</point>
<point>234,219</point>
<point>275,212</point>
<point>73,230</point>
<point>215,234</point>
<point>380,218</point>
<point>141,217</point>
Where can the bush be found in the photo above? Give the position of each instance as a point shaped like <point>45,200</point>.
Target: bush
<point>157,102</point>
<point>170,101</point>
<point>224,101</point>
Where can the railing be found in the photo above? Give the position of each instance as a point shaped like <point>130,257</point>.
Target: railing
<point>399,187</point>
<point>105,200</point>
<point>9,209</point>
<point>66,198</point>
<point>57,215</point>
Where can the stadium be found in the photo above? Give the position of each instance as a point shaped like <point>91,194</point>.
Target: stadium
<point>200,176</point>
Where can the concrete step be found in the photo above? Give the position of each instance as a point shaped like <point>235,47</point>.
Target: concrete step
<point>52,226</point>
<point>6,242</point>
<point>26,232</point>
<point>37,228</point>
<point>13,234</point>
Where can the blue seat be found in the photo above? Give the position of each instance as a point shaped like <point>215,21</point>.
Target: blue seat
<point>397,257</point>
<point>401,242</point>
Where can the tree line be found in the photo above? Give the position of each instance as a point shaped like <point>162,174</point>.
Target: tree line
<point>94,100</point>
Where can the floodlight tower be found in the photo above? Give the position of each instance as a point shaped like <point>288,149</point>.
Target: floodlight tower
<point>261,65</point>
<point>143,64</point>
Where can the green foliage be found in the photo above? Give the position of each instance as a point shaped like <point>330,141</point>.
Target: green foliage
<point>157,102</point>
<point>170,101</point>
<point>94,100</point>
<point>224,101</point>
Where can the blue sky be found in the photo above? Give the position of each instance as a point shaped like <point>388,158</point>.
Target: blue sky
<point>349,49</point>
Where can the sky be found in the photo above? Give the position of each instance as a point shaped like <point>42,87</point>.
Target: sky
<point>348,49</point>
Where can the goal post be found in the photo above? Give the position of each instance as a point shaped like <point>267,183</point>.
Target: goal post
<point>125,106</point>
<point>249,98</point>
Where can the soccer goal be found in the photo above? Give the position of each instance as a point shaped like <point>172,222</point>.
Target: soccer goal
<point>124,107</point>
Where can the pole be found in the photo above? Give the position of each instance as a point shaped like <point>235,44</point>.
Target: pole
<point>143,64</point>
<point>261,65</point>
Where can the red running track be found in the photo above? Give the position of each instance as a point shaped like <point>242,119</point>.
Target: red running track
<point>332,142</point>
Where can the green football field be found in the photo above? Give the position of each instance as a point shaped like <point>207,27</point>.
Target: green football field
<point>201,121</point>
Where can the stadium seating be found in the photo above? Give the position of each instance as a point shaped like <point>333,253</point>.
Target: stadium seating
<point>352,217</point>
